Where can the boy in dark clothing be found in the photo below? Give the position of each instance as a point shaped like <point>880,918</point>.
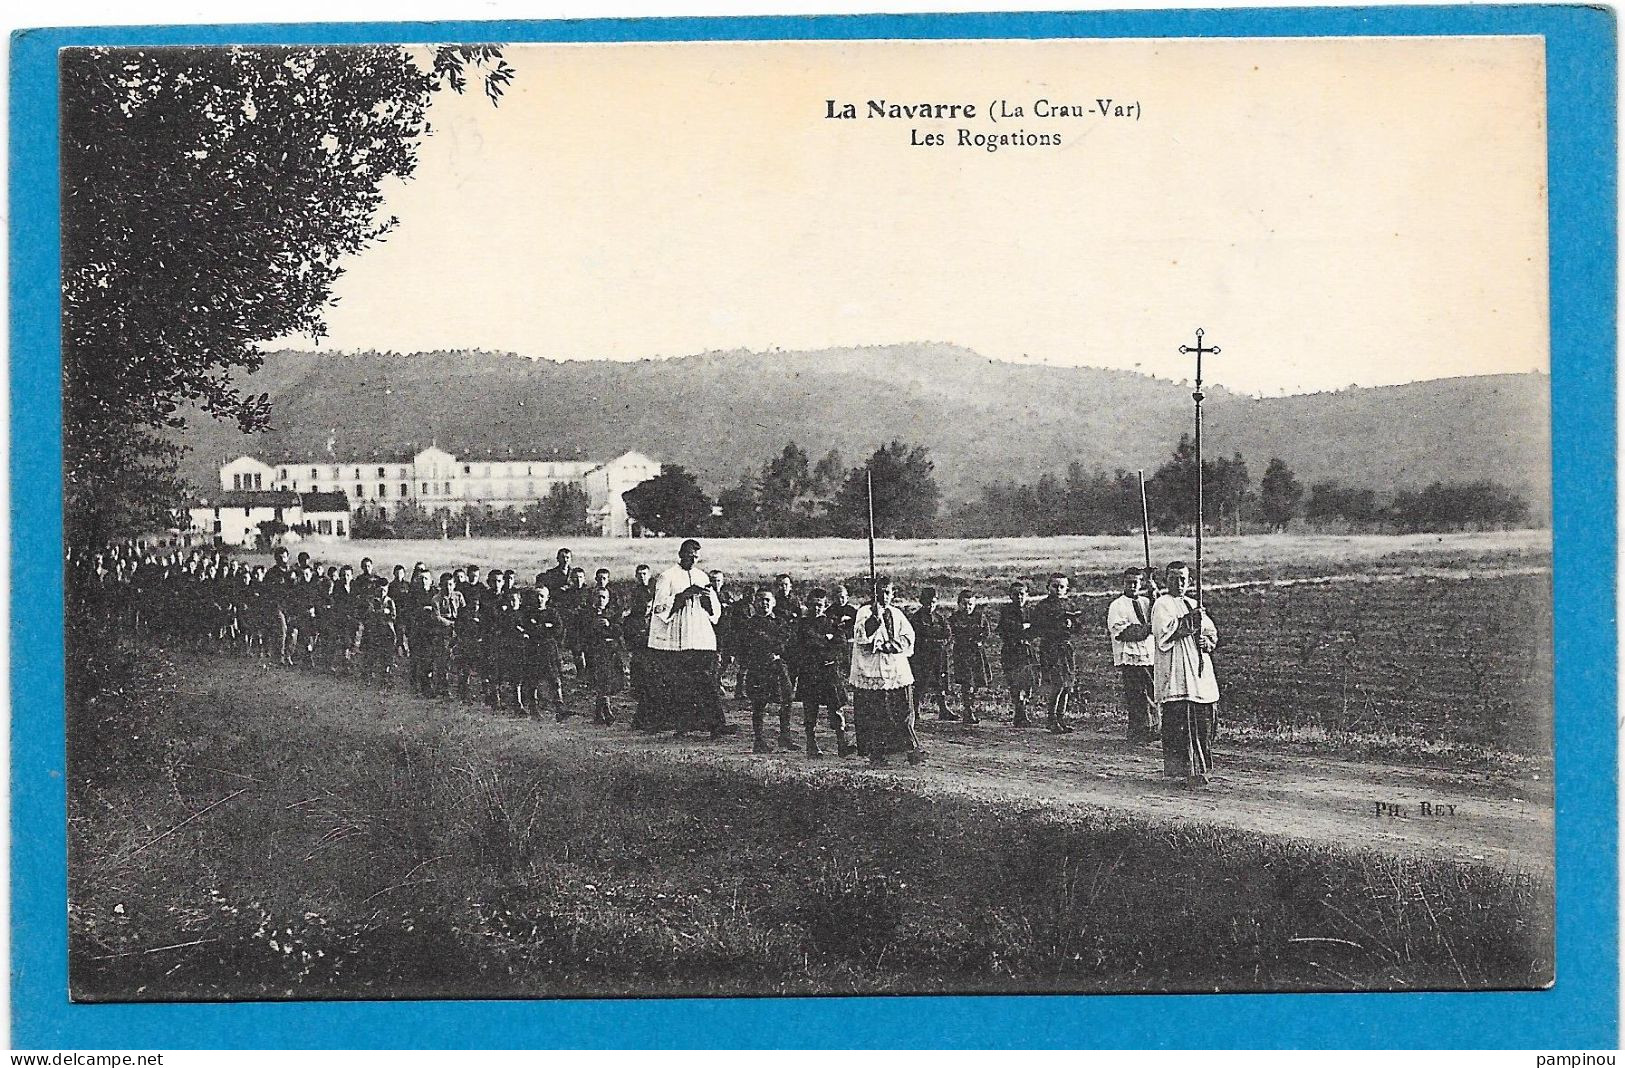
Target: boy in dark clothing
<point>378,632</point>
<point>843,612</point>
<point>345,615</point>
<point>734,611</point>
<point>540,671</point>
<point>1055,621</point>
<point>481,663</point>
<point>441,616</point>
<point>464,650</point>
<point>600,581</point>
<point>1016,652</point>
<point>571,600</point>
<point>819,654</point>
<point>400,592</point>
<point>603,651</point>
<point>761,642</point>
<point>967,628</point>
<point>930,660</point>
<point>635,628</point>
<point>503,648</point>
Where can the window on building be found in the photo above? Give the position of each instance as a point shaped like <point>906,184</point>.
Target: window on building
<point>467,470</point>
<point>324,526</point>
<point>380,472</point>
<point>313,473</point>
<point>340,530</point>
<point>446,489</point>
<point>403,489</point>
<point>425,489</point>
<point>236,482</point>
<point>257,481</point>
<point>282,472</point>
<point>383,490</point>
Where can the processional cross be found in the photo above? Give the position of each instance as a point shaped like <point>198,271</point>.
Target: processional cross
<point>1199,351</point>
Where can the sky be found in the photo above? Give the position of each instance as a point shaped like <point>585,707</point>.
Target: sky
<point>1331,212</point>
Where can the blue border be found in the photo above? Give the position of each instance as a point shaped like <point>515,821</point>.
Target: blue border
<point>1581,1011</point>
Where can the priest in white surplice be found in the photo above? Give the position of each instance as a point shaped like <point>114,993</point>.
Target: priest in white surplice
<point>1187,688</point>
<point>683,645</point>
<point>882,680</point>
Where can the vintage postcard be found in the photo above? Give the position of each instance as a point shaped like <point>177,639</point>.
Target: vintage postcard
<point>762,510</point>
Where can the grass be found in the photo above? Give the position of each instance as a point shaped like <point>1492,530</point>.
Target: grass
<point>986,564</point>
<point>324,844</point>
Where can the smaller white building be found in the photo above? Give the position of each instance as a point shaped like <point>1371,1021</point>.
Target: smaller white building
<point>253,518</point>
<point>325,516</point>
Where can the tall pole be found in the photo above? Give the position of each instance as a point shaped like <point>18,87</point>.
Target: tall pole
<point>1198,395</point>
<point>1199,350</point>
<point>1145,529</point>
<point>874,582</point>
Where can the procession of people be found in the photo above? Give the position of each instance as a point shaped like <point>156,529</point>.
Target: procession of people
<point>479,635</point>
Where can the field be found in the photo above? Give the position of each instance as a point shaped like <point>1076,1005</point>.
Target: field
<point>238,831</point>
<point>985,564</point>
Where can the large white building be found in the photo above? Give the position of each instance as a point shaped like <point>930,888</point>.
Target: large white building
<point>436,480</point>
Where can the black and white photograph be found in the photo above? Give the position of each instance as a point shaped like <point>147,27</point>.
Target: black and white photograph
<point>777,518</point>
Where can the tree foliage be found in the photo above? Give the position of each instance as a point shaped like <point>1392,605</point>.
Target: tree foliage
<point>1108,503</point>
<point>1475,505</point>
<point>1279,494</point>
<point>670,503</point>
<point>1458,506</point>
<point>562,511</point>
<point>209,199</point>
<point>1171,492</point>
<point>741,513</point>
<point>1092,502</point>
<point>906,495</point>
<point>126,480</point>
<point>789,496</point>
<point>784,483</point>
<point>1333,502</point>
<point>828,474</point>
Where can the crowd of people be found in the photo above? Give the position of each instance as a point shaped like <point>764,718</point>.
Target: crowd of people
<point>668,641</point>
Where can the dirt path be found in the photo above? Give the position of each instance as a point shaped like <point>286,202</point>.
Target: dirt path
<point>1494,818</point>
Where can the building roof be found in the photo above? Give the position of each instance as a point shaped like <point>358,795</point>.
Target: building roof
<point>407,453</point>
<point>325,502</point>
<point>251,499</point>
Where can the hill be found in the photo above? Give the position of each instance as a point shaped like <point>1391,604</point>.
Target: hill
<point>718,413</point>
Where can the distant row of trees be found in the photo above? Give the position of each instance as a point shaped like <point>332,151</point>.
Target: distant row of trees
<point>1440,506</point>
<point>1101,502</point>
<point>793,497</point>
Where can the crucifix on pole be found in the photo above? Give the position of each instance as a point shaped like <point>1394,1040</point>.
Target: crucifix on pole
<point>1199,350</point>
